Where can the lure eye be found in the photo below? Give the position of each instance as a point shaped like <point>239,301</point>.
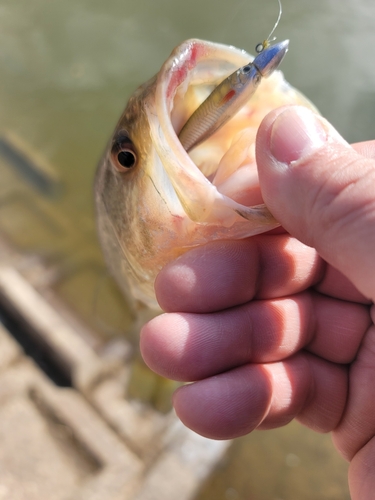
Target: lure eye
<point>259,48</point>
<point>123,153</point>
<point>246,69</point>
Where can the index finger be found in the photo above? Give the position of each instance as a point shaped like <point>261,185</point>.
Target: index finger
<point>224,274</point>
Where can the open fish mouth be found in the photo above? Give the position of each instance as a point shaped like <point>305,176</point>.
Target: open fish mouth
<point>225,185</point>
<point>155,200</point>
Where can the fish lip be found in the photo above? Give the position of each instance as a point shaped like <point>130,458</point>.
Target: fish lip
<point>200,200</point>
<point>270,58</point>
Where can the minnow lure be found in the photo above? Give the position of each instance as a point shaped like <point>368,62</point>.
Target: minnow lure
<point>233,92</point>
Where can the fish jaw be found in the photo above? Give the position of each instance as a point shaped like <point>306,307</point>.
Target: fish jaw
<point>190,64</point>
<point>172,201</point>
<point>202,202</point>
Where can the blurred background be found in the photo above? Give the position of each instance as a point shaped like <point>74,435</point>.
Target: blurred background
<point>67,69</point>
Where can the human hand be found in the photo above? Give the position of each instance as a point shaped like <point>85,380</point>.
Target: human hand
<point>281,326</point>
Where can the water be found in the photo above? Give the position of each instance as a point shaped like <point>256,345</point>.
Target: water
<point>67,69</point>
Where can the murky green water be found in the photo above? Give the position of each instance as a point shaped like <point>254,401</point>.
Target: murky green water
<point>67,67</point>
<point>66,71</point>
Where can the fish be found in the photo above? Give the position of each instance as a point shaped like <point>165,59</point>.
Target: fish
<point>155,200</point>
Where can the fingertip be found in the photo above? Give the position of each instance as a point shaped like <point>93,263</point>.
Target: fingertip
<point>320,189</point>
<point>209,278</point>
<point>225,406</point>
<point>174,284</point>
<point>157,346</point>
<point>286,136</point>
<point>286,141</point>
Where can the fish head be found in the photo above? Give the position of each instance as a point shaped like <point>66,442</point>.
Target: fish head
<point>154,201</point>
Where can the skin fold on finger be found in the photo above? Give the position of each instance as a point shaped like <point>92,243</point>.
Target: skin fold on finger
<point>227,405</point>
<point>335,284</point>
<point>264,396</point>
<point>357,426</point>
<point>224,274</point>
<point>187,347</point>
<point>362,472</point>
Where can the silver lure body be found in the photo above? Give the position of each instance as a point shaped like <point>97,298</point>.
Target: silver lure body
<point>230,96</point>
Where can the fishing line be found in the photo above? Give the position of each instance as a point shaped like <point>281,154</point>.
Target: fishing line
<point>267,42</point>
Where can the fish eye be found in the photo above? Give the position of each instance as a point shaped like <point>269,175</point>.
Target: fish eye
<point>123,153</point>
<point>246,68</point>
<point>126,158</point>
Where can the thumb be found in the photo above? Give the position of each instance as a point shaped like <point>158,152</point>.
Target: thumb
<point>321,190</point>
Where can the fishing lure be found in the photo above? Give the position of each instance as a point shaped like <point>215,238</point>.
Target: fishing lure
<point>233,92</point>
